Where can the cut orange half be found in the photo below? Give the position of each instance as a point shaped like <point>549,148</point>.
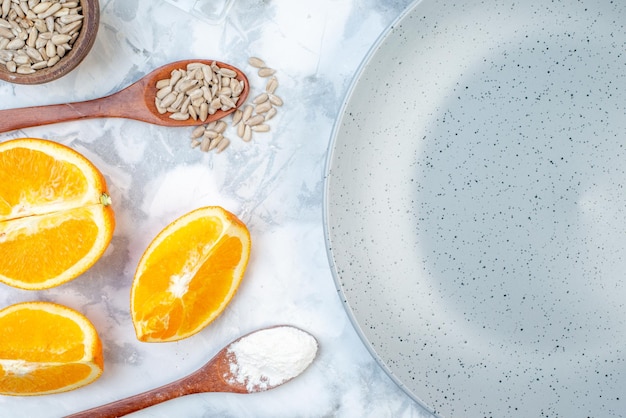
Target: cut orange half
<point>46,348</point>
<point>55,213</point>
<point>188,274</point>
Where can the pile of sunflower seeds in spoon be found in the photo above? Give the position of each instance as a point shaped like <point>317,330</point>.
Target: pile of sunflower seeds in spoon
<point>198,91</point>
<point>248,119</point>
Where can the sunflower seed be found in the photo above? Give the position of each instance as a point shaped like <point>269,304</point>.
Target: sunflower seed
<point>71,28</point>
<point>210,133</point>
<point>237,117</point>
<point>215,141</point>
<point>222,145</point>
<point>6,55</point>
<point>275,100</point>
<point>160,108</point>
<point>40,42</point>
<point>18,10</point>
<point>241,128</point>
<point>247,133</point>
<point>41,7</point>
<point>164,92</point>
<point>60,39</point>
<point>40,25</point>
<point>33,34</point>
<point>247,112</point>
<point>263,97</point>
<point>227,102</point>
<point>220,126</point>
<point>39,65</point>
<point>197,132</point>
<point>179,116</point>
<point>25,69</point>
<point>215,103</point>
<point>34,54</point>
<point>263,107</point>
<point>178,102</point>
<point>6,33</point>
<point>192,112</point>
<point>70,19</point>
<point>255,120</point>
<point>266,72</point>
<point>175,76</point>
<point>49,24</point>
<point>256,62</point>
<point>225,91</point>
<point>260,128</point>
<point>205,144</point>
<point>52,9</point>
<point>204,111</point>
<point>11,66</point>
<point>227,72</point>
<point>184,85</point>
<point>272,85</point>
<point>169,99</point>
<point>6,6</point>
<point>53,60</point>
<point>51,49</point>
<point>21,59</point>
<point>15,44</point>
<point>270,113</point>
<point>163,83</point>
<point>195,93</point>
<point>63,11</point>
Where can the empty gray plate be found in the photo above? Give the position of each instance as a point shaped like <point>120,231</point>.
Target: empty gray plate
<point>475,206</point>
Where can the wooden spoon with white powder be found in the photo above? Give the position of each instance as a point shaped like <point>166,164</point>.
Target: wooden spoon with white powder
<point>255,362</point>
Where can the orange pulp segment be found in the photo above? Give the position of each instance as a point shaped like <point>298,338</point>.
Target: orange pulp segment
<point>188,274</point>
<point>55,215</point>
<point>46,348</point>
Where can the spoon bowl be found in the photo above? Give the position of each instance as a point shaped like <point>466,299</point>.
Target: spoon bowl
<point>223,373</point>
<point>136,101</point>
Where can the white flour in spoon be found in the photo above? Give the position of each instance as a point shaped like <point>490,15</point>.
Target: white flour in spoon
<point>269,357</point>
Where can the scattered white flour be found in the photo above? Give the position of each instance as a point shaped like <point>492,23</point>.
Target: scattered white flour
<point>269,357</point>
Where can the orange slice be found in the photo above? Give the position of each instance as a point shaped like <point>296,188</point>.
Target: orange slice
<point>55,213</point>
<point>188,274</point>
<point>46,348</point>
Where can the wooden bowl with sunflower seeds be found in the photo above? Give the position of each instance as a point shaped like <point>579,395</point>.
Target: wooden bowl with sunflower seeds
<point>43,40</point>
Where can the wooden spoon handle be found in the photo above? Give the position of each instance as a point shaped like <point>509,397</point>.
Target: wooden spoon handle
<point>126,103</point>
<point>134,403</point>
<point>209,378</point>
<point>13,119</point>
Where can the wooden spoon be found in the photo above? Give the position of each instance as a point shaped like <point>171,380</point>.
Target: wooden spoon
<point>134,102</point>
<point>218,375</point>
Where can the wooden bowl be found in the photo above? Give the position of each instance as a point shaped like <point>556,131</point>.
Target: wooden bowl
<point>80,49</point>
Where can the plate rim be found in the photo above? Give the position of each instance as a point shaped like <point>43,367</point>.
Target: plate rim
<point>330,153</point>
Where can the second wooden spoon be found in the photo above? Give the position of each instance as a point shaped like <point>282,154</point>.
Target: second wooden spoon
<point>256,362</point>
<point>136,101</point>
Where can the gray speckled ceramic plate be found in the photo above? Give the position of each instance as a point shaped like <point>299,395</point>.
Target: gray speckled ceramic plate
<point>475,206</point>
